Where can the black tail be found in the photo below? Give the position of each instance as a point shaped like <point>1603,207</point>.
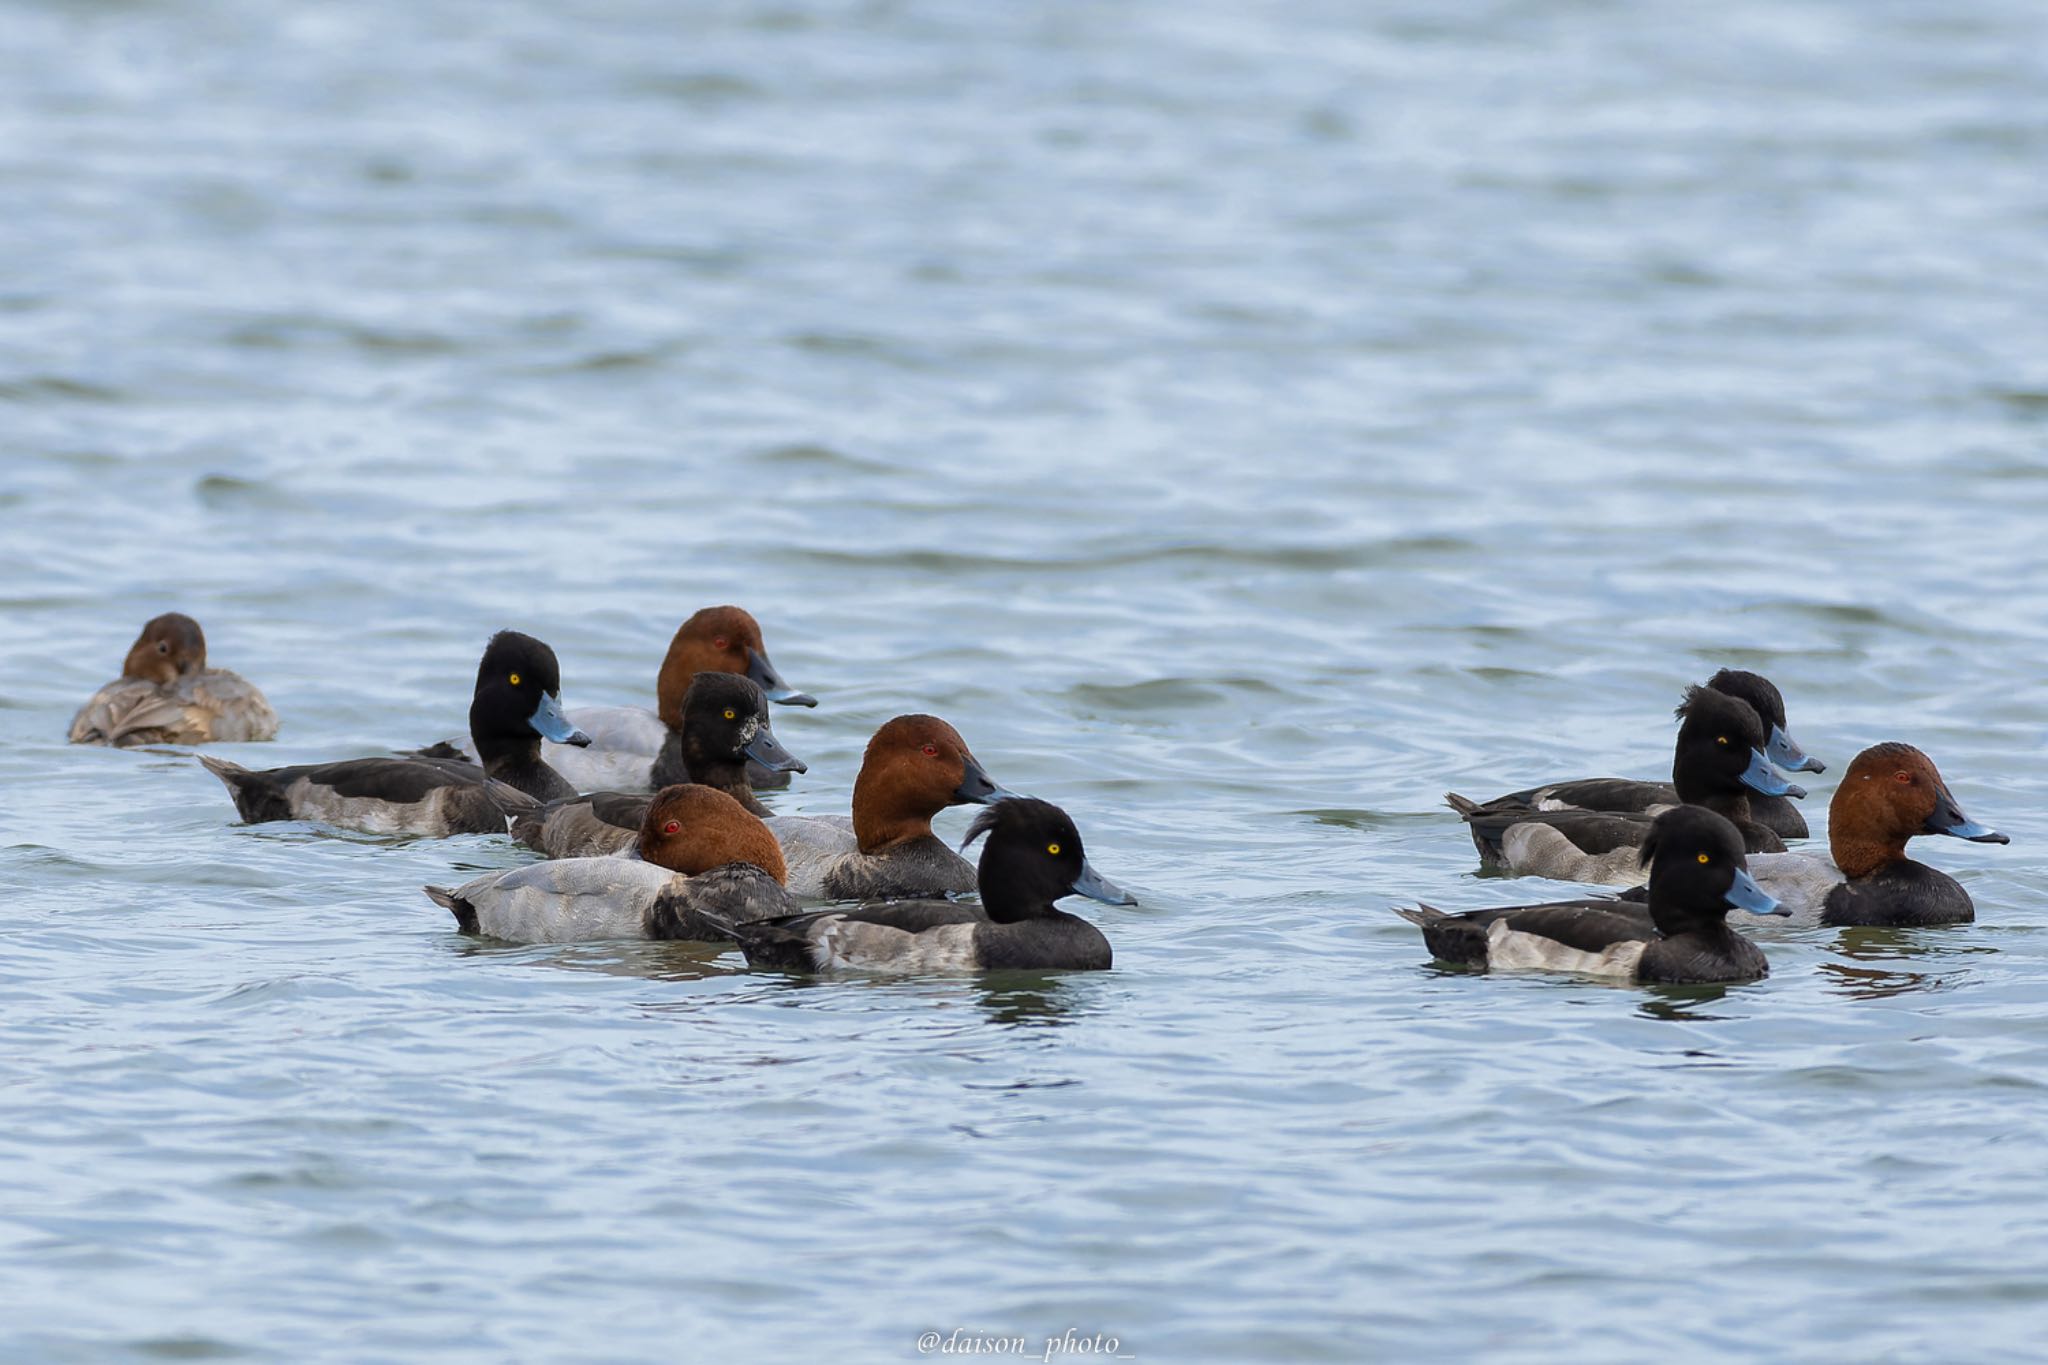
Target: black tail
<point>255,797</point>
<point>464,912</point>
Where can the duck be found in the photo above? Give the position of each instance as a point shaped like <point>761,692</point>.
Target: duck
<point>914,767</point>
<point>166,694</point>
<point>1775,813</point>
<point>627,742</point>
<point>1589,830</point>
<point>700,854</point>
<point>1699,871</point>
<point>1033,858</point>
<point>725,729</point>
<point>1891,793</point>
<point>517,702</point>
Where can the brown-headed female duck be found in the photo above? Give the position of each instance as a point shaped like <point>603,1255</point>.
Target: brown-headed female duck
<point>516,703</point>
<point>703,854</point>
<point>167,695</point>
<point>627,743</point>
<point>915,766</point>
<point>1891,793</point>
<point>725,729</point>
<point>1589,830</point>
<point>1032,859</point>
<point>1698,874</point>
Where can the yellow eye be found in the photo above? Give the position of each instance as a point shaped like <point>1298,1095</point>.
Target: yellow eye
<point>731,714</point>
<point>515,680</point>
<point>1053,849</point>
<point>1723,739</point>
<point>1705,858</point>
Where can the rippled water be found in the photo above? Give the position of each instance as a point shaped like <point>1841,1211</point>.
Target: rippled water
<point>1245,423</point>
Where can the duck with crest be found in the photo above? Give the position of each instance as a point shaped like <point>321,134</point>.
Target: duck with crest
<point>725,730</point>
<point>704,863</point>
<point>516,703</point>
<point>1589,830</point>
<point>166,694</point>
<point>1033,858</point>
<point>1698,873</point>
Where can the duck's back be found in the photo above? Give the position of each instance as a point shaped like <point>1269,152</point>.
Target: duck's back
<point>825,862</point>
<point>569,900</point>
<point>592,826</point>
<point>210,706</point>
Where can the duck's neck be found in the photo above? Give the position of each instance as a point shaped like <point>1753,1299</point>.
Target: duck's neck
<point>882,822</point>
<point>517,763</point>
<point>683,759</point>
<point>1860,854</point>
<point>1734,805</point>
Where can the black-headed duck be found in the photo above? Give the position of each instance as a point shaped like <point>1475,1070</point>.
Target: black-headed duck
<point>1698,873</point>
<point>724,731</point>
<point>1033,858</point>
<point>167,695</point>
<point>1589,830</point>
<point>517,703</point>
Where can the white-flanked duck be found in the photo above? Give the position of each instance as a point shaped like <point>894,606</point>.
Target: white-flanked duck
<point>1033,858</point>
<point>725,732</point>
<point>517,703</point>
<point>702,854</point>
<point>1698,873</point>
<point>166,694</point>
<point>1589,830</point>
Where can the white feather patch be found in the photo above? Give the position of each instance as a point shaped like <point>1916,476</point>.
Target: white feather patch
<point>1509,950</point>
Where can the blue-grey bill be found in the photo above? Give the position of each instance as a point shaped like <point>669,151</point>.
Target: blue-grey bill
<point>1095,886</point>
<point>552,724</point>
<point>771,684</point>
<point>765,749</point>
<point>1947,818</point>
<point>1747,895</point>
<point>1786,753</point>
<point>977,787</point>
<point>1761,776</point>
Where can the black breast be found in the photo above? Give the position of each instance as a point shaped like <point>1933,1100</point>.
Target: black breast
<point>1904,893</point>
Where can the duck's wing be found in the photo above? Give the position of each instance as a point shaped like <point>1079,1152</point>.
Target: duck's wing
<point>811,846</point>
<point>376,795</point>
<point>128,712</point>
<point>905,936</point>
<point>1553,934</point>
<point>588,826</point>
<point>712,904</point>
<point>596,769</point>
<point>225,707</point>
<point>1801,882</point>
<point>570,900</point>
<point>627,729</point>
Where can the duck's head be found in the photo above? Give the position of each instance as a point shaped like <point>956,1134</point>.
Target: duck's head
<point>719,640</point>
<point>1891,793</point>
<point>1032,858</point>
<point>518,697</point>
<point>690,828</point>
<point>915,766</point>
<point>1699,872</point>
<point>1769,704</point>
<point>1720,750</point>
<point>170,645</point>
<point>725,721</point>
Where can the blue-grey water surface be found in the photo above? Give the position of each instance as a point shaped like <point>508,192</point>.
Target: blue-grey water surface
<point>1245,421</point>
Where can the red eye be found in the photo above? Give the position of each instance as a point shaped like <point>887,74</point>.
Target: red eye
<point>721,643</point>
<point>672,827</point>
<point>931,751</point>
<point>1906,778</point>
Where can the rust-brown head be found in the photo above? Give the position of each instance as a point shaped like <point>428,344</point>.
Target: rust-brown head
<point>170,645</point>
<point>1891,793</point>
<point>691,829</point>
<point>718,640</point>
<point>915,767</point>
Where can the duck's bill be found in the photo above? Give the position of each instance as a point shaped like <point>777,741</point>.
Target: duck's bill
<point>1948,818</point>
<point>1761,776</point>
<point>977,787</point>
<point>765,749</point>
<point>1097,887</point>
<point>552,724</point>
<point>771,684</point>
<point>1786,753</point>
<point>1745,894</point>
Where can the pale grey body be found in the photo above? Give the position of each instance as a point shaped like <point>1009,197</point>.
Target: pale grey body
<point>210,706</point>
<point>825,862</point>
<point>624,742</point>
<point>580,900</point>
<point>1510,950</point>
<point>1538,850</point>
<point>1801,882</point>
